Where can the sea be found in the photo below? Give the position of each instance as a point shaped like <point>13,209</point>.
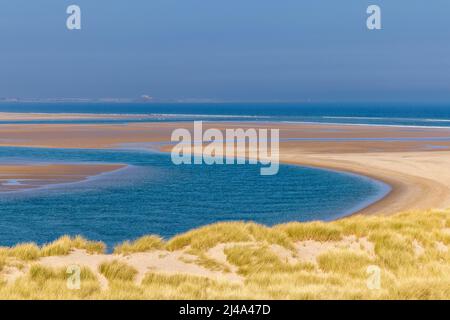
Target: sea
<point>151,195</point>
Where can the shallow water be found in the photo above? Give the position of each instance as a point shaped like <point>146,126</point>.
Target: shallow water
<point>153,196</point>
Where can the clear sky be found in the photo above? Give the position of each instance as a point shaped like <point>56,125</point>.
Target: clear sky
<point>291,50</point>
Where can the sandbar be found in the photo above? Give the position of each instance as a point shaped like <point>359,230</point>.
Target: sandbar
<point>19,177</point>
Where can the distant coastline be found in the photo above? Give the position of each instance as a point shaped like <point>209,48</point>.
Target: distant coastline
<point>384,114</point>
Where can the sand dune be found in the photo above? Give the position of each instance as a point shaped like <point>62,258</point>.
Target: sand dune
<point>406,254</point>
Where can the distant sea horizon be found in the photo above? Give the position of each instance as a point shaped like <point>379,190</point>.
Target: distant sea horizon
<point>396,114</point>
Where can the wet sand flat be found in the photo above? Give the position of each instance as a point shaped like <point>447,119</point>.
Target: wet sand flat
<point>114,135</point>
<point>16,177</point>
<point>18,116</point>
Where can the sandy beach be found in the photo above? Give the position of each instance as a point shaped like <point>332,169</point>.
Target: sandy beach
<point>413,161</point>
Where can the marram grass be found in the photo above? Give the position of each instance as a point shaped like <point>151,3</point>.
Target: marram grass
<point>117,270</point>
<point>60,247</point>
<point>410,250</point>
<point>145,243</point>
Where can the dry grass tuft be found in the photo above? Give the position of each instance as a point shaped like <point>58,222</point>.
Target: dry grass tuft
<point>25,251</point>
<point>146,243</point>
<point>117,270</point>
<point>319,231</point>
<point>209,236</point>
<point>65,244</point>
<point>60,247</point>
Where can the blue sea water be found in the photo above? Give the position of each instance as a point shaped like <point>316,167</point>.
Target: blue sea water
<point>153,196</point>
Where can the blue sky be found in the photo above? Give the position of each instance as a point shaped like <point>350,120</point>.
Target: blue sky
<point>264,50</point>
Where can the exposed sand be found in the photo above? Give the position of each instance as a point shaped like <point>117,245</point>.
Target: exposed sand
<point>416,170</point>
<point>18,177</point>
<point>419,180</point>
<point>181,262</point>
<point>160,261</point>
<point>87,136</point>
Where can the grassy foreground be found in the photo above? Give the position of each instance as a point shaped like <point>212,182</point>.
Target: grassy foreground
<point>404,256</point>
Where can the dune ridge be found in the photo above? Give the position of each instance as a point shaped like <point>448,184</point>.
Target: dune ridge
<point>236,260</point>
